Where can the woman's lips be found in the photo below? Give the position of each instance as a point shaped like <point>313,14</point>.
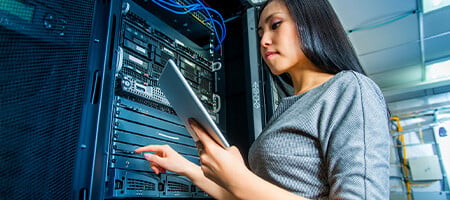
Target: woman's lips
<point>269,54</point>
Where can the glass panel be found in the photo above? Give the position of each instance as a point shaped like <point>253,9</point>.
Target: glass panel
<point>430,5</point>
<point>438,70</point>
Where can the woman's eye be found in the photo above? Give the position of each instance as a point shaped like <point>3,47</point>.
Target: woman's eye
<point>276,25</point>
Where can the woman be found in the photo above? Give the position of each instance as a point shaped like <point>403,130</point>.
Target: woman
<point>327,141</point>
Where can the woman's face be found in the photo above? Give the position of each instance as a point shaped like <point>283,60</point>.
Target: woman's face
<point>279,45</point>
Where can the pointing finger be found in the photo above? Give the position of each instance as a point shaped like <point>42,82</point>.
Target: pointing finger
<point>160,150</point>
<point>150,148</point>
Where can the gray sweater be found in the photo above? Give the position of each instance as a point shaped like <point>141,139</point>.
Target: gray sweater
<point>331,142</point>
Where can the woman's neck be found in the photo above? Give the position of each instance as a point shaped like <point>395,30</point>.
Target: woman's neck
<point>306,79</point>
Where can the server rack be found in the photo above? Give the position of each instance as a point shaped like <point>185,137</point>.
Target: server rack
<point>136,112</point>
<point>99,64</point>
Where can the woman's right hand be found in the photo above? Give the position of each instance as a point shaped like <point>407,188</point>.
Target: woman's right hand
<point>165,158</point>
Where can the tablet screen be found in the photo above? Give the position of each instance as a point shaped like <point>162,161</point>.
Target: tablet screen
<point>186,104</point>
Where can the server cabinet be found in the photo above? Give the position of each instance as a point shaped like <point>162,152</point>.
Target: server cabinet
<point>79,90</point>
<point>45,95</point>
<point>141,38</point>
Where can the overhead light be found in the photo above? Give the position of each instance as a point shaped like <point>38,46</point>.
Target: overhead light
<point>438,71</point>
<point>430,5</point>
<point>256,2</point>
<point>436,2</point>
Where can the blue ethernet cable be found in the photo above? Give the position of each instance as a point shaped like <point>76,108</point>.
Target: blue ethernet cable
<point>214,27</point>
<point>172,5</point>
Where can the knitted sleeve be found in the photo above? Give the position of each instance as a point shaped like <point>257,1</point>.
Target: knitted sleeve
<point>356,143</point>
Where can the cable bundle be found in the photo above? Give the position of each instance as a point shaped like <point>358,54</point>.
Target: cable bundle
<point>177,8</point>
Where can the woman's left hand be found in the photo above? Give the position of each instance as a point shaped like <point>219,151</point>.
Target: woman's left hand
<point>224,166</point>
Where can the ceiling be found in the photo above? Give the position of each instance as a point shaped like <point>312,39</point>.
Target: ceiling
<point>394,40</point>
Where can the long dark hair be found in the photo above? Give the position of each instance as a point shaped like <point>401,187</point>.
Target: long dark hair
<point>322,37</point>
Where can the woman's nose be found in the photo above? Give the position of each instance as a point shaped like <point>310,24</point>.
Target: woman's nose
<point>265,40</point>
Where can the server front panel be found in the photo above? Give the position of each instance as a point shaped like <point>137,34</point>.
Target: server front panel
<point>141,113</point>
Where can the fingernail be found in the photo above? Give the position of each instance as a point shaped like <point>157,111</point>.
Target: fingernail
<point>147,155</point>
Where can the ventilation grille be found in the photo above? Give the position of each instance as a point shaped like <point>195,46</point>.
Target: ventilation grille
<point>136,184</point>
<point>177,187</point>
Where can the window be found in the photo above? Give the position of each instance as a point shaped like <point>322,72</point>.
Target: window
<point>430,5</point>
<point>440,70</point>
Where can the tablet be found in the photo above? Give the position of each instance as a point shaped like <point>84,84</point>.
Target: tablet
<point>186,103</point>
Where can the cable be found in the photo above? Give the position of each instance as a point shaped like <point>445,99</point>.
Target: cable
<point>221,24</point>
<point>175,11</point>
<point>214,27</point>
<point>177,8</point>
<point>383,23</point>
<point>231,19</point>
<point>404,156</point>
